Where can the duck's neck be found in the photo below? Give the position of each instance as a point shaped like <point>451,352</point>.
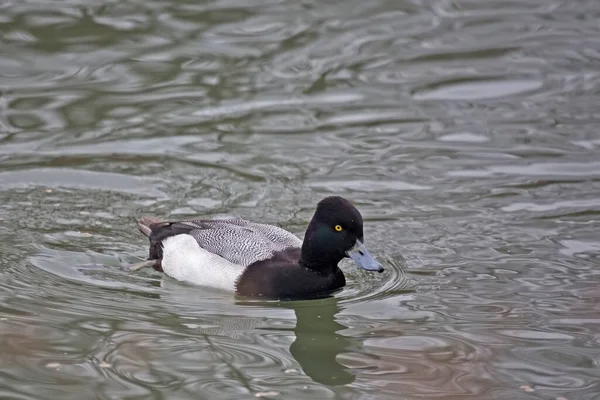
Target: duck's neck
<point>316,254</point>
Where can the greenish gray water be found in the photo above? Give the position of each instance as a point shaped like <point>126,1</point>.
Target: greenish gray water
<point>466,132</point>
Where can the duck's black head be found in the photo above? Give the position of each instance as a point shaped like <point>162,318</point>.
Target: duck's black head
<point>335,232</point>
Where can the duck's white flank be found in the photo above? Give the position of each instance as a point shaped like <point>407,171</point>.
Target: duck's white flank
<point>184,260</point>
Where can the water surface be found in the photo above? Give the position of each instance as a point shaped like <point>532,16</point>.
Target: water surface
<point>465,131</point>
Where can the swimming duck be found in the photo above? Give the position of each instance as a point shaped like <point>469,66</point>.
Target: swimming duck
<point>254,259</point>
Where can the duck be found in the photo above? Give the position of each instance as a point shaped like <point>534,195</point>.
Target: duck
<point>254,259</point>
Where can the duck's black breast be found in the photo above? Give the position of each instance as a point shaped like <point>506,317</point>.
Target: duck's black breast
<point>282,276</point>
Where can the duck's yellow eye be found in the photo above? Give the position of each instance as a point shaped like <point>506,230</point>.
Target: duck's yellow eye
<point>338,228</point>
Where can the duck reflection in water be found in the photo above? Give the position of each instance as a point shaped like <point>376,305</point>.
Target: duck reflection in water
<point>318,342</point>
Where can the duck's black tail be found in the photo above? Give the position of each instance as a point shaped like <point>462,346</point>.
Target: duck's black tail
<point>145,224</point>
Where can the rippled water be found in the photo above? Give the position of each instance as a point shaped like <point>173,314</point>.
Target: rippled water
<point>467,132</point>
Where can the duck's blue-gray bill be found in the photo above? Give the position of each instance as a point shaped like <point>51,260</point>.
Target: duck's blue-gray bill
<point>363,258</point>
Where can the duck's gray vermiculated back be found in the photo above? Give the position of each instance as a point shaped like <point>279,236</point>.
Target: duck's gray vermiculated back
<point>239,241</point>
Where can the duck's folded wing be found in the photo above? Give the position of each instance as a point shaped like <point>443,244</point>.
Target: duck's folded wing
<point>239,241</point>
